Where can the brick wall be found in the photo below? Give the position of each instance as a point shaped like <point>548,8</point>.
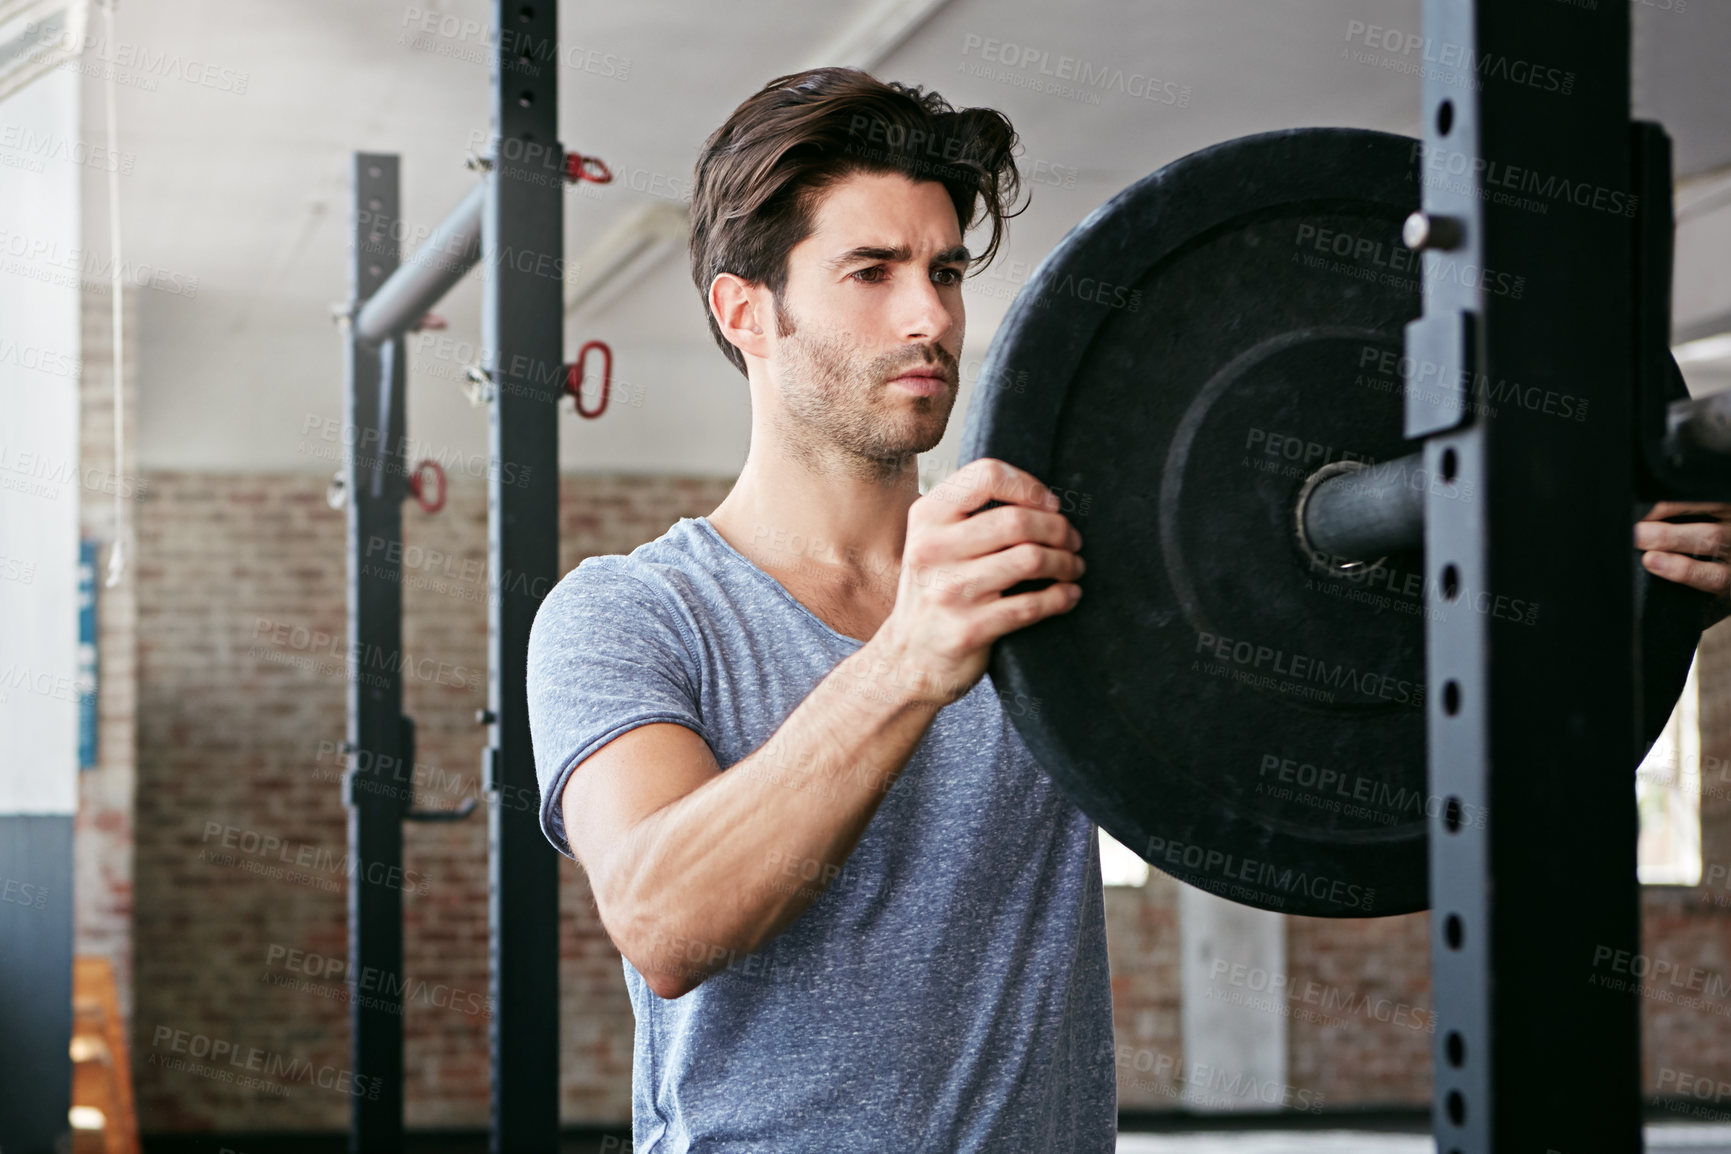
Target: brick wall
<point>1142,949</point>
<point>237,731</point>
<point>1690,928</point>
<point>1359,1030</point>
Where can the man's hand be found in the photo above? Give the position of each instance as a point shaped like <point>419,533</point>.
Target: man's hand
<point>959,558</point>
<point>1695,552</point>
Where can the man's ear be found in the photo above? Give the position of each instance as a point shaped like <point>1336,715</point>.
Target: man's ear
<point>736,307</point>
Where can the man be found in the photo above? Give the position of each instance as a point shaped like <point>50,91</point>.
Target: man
<point>854,913</point>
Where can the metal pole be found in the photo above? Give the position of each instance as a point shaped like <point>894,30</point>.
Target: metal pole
<point>1531,725</point>
<point>427,276</point>
<point>375,480</point>
<point>522,332</point>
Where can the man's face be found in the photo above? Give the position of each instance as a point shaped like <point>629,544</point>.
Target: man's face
<point>873,294</point>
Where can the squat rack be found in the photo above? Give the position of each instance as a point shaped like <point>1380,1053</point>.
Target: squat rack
<point>511,224</point>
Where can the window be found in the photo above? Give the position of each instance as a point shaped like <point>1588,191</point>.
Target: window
<point>1119,864</point>
<point>1668,793</point>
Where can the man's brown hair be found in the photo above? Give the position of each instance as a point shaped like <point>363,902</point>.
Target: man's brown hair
<point>761,174</point>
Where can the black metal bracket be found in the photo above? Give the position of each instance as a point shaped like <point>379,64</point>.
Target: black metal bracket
<point>410,813</point>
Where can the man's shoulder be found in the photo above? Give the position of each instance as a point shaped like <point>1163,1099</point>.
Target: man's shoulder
<point>654,566</point>
<point>653,580</point>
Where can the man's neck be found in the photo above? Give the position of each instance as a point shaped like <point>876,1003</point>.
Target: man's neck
<point>814,513</point>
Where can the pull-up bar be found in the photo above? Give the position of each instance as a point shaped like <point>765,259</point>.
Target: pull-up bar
<point>422,280</point>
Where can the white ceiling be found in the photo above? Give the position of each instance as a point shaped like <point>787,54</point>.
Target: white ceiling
<point>247,191</point>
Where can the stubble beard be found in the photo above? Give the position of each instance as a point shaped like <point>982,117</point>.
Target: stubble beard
<point>839,412</point>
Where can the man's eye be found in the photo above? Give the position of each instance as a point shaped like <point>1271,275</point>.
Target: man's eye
<point>861,274</point>
<point>955,275</point>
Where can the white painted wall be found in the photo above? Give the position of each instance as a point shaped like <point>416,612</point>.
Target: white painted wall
<point>40,479</point>
<point>1234,1028</point>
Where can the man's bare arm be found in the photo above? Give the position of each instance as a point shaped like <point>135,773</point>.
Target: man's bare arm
<point>683,859</point>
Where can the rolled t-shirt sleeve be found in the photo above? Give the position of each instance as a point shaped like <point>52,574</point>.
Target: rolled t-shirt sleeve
<point>607,653</point>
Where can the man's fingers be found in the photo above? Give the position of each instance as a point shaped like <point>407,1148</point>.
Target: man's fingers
<point>1708,538</point>
<point>1707,576</point>
<point>979,482</point>
<point>991,530</point>
<point>1025,562</point>
<point>1007,614</point>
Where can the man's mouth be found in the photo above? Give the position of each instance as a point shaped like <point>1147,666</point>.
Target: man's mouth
<point>923,382</point>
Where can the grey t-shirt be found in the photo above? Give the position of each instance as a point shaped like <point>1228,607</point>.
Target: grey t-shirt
<point>947,992</point>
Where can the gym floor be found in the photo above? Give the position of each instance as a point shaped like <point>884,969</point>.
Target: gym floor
<point>1703,1139</point>
<point>1409,1137</point>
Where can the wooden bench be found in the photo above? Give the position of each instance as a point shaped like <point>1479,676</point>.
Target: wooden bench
<point>101,1066</point>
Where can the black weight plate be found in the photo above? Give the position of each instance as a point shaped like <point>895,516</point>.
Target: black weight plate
<point>1187,356</point>
<point>1193,350</point>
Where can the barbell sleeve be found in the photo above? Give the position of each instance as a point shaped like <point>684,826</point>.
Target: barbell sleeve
<point>1364,513</point>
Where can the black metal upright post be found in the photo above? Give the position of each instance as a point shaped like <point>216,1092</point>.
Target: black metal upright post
<point>1531,725</point>
<point>374,480</point>
<point>522,327</point>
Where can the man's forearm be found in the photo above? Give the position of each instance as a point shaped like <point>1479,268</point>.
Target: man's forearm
<point>702,880</point>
